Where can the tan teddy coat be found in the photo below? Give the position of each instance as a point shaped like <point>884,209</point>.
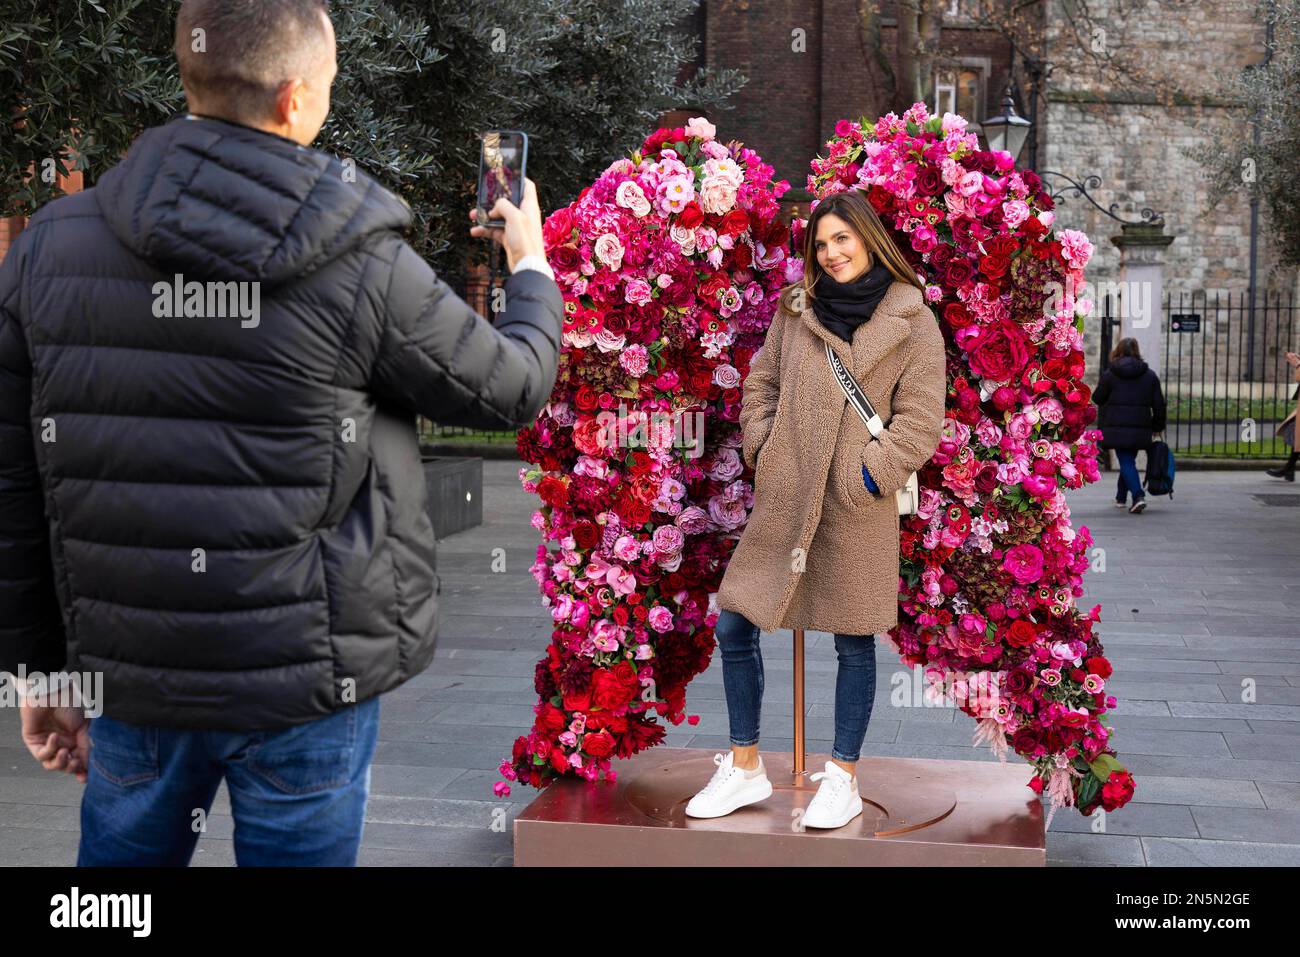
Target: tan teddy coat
<point>820,550</point>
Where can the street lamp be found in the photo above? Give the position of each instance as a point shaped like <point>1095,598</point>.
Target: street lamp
<point>1008,129</point>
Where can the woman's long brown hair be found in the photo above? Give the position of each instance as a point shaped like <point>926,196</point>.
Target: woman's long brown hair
<point>1128,346</point>
<point>852,207</point>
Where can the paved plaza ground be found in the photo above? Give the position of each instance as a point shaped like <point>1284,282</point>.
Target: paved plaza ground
<point>1199,595</point>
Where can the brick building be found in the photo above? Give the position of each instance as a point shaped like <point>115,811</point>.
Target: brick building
<point>806,67</point>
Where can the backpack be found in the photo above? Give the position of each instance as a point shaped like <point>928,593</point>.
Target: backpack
<point>1160,470</point>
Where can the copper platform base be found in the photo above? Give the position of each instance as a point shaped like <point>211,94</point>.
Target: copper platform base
<point>914,812</point>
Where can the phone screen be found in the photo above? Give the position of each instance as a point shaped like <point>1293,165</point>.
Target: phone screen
<point>501,169</point>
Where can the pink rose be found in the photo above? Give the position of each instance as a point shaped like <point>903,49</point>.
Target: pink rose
<point>726,376</point>
<point>1024,562</point>
<point>660,619</point>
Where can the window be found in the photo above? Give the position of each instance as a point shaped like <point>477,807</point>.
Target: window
<point>960,91</point>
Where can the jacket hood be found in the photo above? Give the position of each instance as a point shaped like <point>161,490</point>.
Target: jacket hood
<point>211,198</point>
<point>1128,367</point>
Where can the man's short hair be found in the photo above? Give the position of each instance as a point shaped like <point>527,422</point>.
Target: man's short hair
<point>246,49</point>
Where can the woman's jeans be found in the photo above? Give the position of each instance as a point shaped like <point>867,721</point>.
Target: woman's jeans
<point>297,795</point>
<point>742,679</point>
<point>1129,480</point>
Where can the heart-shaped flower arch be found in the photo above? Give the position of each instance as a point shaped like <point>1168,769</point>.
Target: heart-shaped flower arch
<point>670,265</point>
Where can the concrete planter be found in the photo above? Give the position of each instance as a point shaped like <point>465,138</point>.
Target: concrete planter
<point>455,492</point>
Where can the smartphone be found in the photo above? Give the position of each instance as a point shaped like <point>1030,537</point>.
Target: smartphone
<point>502,166</point>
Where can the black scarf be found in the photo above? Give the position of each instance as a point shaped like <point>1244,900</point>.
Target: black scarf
<point>843,306</point>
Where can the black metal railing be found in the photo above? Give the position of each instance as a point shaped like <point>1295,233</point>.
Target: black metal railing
<point>1223,370</point>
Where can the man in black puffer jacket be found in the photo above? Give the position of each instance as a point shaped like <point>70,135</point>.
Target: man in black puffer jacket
<point>1130,407</point>
<point>211,495</point>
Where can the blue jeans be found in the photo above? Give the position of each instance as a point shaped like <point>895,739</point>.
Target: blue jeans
<point>298,795</point>
<point>1129,479</point>
<point>742,680</point>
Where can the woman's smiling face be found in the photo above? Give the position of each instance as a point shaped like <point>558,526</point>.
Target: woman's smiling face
<point>839,250</point>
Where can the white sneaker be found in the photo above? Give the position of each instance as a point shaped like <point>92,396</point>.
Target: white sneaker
<point>730,788</point>
<point>836,802</point>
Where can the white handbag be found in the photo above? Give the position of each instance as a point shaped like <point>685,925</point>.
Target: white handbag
<point>908,497</point>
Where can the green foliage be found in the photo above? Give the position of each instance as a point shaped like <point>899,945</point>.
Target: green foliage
<point>417,81</point>
<point>1233,161</point>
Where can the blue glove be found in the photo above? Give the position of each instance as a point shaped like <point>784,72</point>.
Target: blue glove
<point>869,482</point>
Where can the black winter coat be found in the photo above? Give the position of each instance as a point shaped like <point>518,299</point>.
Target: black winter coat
<point>226,516</point>
<point>1130,405</point>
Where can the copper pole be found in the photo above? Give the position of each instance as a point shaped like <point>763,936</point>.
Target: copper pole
<point>798,705</point>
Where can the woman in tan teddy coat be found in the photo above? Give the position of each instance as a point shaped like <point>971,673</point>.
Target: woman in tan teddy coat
<point>821,548</point>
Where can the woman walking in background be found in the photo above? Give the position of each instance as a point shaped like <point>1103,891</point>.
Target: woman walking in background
<point>1130,409</point>
<point>1287,429</point>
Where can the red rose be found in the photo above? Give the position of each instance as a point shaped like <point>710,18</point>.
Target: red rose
<point>559,760</point>
<point>577,701</point>
<point>1000,353</point>
<point>600,745</point>
<point>928,181</point>
<point>1020,634</point>
<point>957,271</point>
<point>734,223</point>
<point>614,687</point>
<point>563,258</point>
<point>1017,681</point>
<point>586,534</point>
<point>1025,741</point>
<point>585,398</point>
<point>955,315</point>
<point>1098,666</point>
<point>881,199</point>
<point>553,491</point>
<point>1003,246</point>
<point>987,479</point>
<point>742,255</point>
<point>691,216</point>
<point>702,384</point>
<point>994,266</point>
<point>552,719</point>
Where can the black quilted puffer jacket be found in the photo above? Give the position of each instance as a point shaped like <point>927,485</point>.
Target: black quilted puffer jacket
<point>224,513</point>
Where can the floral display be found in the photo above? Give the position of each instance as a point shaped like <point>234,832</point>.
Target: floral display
<point>670,266</point>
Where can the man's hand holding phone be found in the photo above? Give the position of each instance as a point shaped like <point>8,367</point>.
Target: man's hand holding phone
<point>522,234</point>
